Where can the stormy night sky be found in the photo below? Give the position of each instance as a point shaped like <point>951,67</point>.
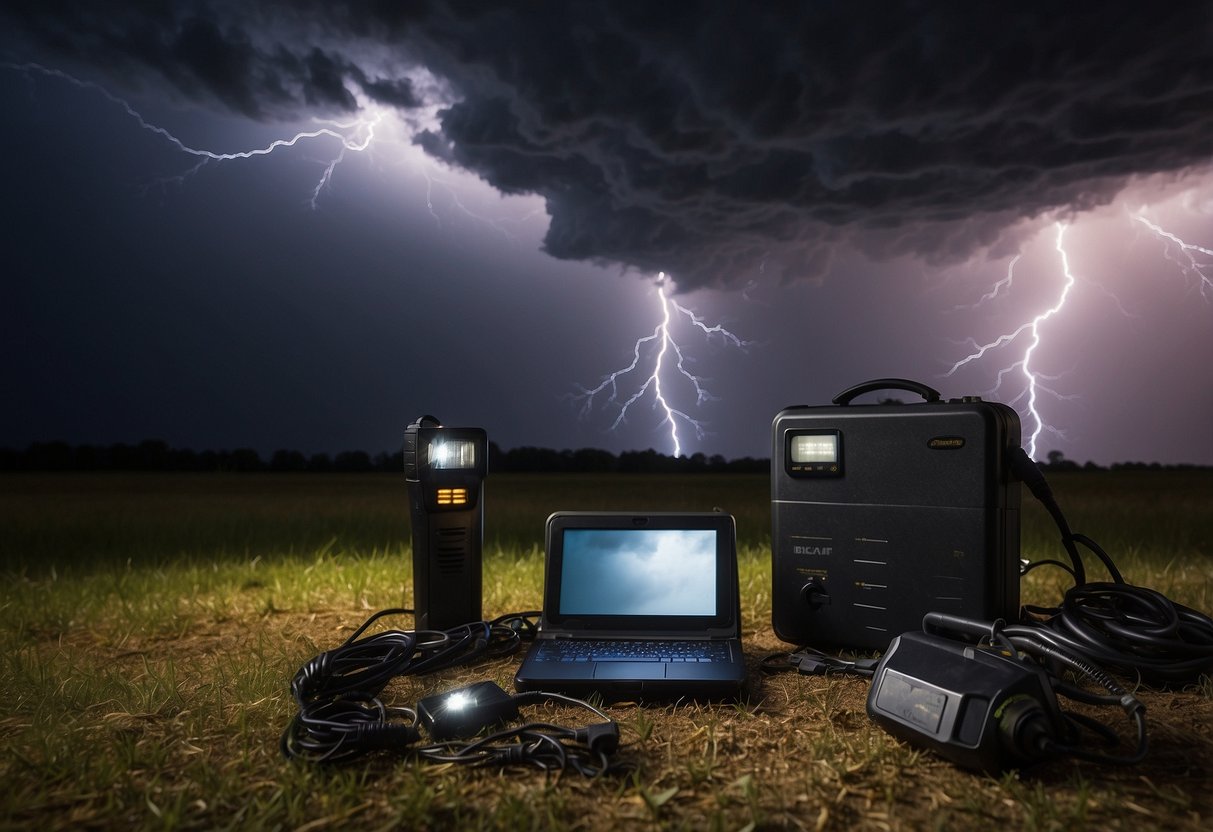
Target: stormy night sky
<point>475,226</point>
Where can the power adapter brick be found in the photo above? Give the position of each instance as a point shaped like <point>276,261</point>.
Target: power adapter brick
<point>465,712</point>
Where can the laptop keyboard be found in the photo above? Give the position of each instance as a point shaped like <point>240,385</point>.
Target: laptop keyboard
<point>578,650</point>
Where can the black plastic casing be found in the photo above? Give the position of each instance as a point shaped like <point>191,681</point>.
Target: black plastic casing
<point>919,513</point>
<point>448,539</point>
<point>467,711</point>
<point>958,701</point>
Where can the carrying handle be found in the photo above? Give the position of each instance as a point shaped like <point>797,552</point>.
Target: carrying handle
<point>928,393</point>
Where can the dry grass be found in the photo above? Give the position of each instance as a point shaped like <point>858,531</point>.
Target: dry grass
<point>151,694</point>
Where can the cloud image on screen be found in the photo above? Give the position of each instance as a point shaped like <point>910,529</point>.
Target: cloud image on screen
<point>638,572</point>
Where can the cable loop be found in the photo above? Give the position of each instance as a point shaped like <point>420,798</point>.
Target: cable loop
<point>341,717</point>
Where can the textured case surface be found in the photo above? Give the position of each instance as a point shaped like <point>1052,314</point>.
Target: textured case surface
<point>921,515</point>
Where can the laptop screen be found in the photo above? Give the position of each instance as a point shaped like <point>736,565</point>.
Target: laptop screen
<point>649,572</point>
<point>665,572</point>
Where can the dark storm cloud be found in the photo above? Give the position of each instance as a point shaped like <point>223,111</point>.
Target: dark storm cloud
<point>720,142</point>
<point>210,53</point>
<point>705,141</point>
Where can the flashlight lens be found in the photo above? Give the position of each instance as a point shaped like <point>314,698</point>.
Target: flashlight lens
<point>453,453</point>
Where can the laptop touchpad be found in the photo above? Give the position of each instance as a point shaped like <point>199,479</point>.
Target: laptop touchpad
<point>629,670</point>
<point>703,670</point>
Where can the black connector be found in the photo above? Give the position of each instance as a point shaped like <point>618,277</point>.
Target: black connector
<point>465,712</point>
<point>601,737</point>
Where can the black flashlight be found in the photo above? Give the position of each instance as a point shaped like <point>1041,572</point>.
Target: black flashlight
<point>445,470</point>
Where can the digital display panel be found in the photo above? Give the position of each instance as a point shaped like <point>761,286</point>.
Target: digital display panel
<point>640,572</point>
<point>810,448</point>
<point>813,453</point>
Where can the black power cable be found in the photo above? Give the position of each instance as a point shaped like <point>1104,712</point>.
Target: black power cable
<point>1031,726</point>
<point>586,750</point>
<point>1028,640</point>
<point>341,718</point>
<point>1131,629</point>
<point>366,665</point>
<point>809,661</point>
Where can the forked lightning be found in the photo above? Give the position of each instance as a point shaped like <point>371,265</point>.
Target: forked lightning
<point>661,344</point>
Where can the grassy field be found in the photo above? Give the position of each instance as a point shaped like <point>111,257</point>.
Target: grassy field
<point>151,625</point>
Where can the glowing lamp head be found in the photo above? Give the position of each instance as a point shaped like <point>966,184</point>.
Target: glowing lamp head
<point>448,464</point>
<point>446,453</point>
<point>445,469</point>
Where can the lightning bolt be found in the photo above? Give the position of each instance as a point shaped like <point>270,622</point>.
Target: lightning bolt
<point>1031,332</point>
<point>353,135</point>
<point>1194,261</point>
<point>1184,255</point>
<point>665,350</point>
<point>1003,285</point>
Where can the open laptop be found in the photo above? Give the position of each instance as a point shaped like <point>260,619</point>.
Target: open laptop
<point>639,606</point>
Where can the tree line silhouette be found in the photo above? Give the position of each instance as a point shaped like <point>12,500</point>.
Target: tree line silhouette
<point>157,455</point>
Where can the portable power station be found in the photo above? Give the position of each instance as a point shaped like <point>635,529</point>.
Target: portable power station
<point>884,512</point>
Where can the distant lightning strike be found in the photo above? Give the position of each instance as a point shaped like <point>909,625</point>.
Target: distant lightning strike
<point>357,135</point>
<point>1184,254</point>
<point>1032,331</point>
<point>665,345</point>
<point>1003,285</point>
<point>354,135</point>
<point>1195,261</point>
